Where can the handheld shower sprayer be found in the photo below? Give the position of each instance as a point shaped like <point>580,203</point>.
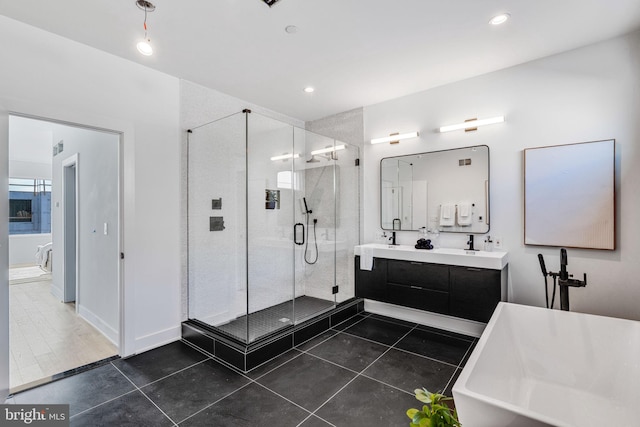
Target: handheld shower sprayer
<point>563,281</point>
<point>307,213</point>
<point>543,267</point>
<point>306,208</point>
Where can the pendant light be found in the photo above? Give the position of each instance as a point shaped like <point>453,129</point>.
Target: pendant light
<point>144,45</point>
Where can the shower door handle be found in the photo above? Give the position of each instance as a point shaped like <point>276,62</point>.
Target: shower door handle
<point>295,233</point>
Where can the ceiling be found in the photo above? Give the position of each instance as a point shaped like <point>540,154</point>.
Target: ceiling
<point>353,52</point>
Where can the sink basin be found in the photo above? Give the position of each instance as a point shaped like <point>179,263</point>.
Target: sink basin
<point>495,260</point>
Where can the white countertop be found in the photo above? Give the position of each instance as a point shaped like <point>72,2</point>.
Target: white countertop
<point>495,260</point>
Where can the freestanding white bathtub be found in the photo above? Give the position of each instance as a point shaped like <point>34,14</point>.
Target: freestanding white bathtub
<point>539,367</point>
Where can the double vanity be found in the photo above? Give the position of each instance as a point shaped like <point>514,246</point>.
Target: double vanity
<point>453,282</point>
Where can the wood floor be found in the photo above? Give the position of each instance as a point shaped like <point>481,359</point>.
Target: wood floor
<point>46,335</point>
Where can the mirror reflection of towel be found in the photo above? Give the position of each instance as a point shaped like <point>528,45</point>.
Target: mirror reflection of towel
<point>464,213</point>
<point>447,215</point>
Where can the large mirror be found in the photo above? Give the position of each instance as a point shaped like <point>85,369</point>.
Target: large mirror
<point>441,190</point>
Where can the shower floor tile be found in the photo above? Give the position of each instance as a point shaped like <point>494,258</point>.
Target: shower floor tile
<point>271,319</point>
<point>349,378</point>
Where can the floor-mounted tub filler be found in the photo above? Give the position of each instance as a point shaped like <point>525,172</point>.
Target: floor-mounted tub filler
<point>539,367</point>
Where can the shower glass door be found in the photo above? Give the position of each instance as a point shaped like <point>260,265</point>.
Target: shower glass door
<point>316,211</point>
<point>217,267</point>
<point>271,181</point>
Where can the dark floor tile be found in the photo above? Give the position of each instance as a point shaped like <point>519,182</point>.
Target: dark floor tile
<point>130,410</point>
<point>365,403</point>
<point>437,346</point>
<point>307,380</point>
<point>378,330</point>
<point>251,406</point>
<point>349,351</point>
<point>393,320</point>
<point>81,391</point>
<point>192,389</point>
<point>448,391</point>
<point>409,372</point>
<point>272,364</point>
<point>160,362</point>
<point>314,421</point>
<point>465,359</point>
<point>449,333</point>
<point>305,346</point>
<point>350,321</point>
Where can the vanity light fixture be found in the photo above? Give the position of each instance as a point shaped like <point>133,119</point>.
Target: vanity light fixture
<point>328,150</point>
<point>144,45</point>
<point>394,138</point>
<point>472,124</point>
<point>285,157</point>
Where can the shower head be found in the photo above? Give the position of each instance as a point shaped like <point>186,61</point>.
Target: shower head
<point>313,159</point>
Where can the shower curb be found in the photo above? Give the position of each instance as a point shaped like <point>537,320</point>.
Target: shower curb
<point>248,356</point>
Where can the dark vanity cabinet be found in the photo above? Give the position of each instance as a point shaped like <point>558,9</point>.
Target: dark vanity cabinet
<point>466,292</point>
<point>372,284</point>
<point>474,292</point>
<point>418,285</point>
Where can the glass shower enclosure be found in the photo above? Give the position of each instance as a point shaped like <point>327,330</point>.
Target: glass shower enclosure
<point>273,217</point>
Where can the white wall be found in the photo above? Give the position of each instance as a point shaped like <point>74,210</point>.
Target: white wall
<point>48,76</point>
<point>587,94</point>
<point>97,201</point>
<point>22,247</point>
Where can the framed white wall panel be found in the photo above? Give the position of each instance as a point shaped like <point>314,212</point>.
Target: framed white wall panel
<point>569,195</point>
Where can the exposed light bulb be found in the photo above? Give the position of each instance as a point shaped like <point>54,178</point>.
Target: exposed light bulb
<point>144,47</point>
<point>309,89</point>
<point>499,19</point>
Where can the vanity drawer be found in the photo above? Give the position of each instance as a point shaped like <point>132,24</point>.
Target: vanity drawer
<point>475,292</point>
<point>423,275</point>
<point>417,297</point>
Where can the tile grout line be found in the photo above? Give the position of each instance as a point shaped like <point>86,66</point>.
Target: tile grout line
<point>358,375</point>
<point>429,358</point>
<point>300,353</point>
<point>145,395</point>
<point>219,400</point>
<point>102,403</point>
<point>361,372</point>
<point>171,374</point>
<point>458,367</point>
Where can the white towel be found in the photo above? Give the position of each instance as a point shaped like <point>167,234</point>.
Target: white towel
<point>464,213</point>
<point>366,258</point>
<point>43,256</point>
<point>447,216</point>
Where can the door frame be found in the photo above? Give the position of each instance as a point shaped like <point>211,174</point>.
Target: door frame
<point>126,338</point>
<point>68,163</point>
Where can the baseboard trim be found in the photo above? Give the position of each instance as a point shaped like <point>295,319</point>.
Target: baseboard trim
<point>435,320</point>
<point>97,322</point>
<point>157,339</point>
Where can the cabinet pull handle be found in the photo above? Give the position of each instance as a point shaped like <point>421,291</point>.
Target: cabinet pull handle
<point>416,287</point>
<point>415,263</point>
<point>473,269</point>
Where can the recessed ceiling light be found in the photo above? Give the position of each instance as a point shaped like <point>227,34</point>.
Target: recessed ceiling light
<point>499,19</point>
<point>309,89</point>
<point>291,29</point>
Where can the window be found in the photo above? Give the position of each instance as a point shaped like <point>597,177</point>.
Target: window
<point>29,206</point>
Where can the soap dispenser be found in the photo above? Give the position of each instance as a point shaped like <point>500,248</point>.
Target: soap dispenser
<point>488,244</point>
<point>434,235</point>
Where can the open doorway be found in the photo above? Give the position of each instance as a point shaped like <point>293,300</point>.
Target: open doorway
<point>64,246</point>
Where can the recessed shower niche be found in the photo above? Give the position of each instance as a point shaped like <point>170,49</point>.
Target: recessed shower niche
<point>291,220</point>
